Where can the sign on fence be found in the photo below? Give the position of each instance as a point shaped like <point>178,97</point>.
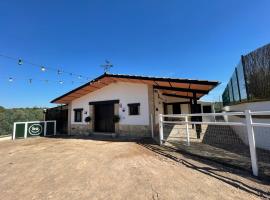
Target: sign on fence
<point>33,128</point>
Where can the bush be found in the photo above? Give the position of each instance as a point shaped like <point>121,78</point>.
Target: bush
<point>9,116</point>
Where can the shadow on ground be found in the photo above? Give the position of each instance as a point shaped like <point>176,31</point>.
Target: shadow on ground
<point>235,177</point>
<point>213,169</point>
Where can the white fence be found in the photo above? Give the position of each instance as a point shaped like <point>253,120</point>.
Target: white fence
<point>184,120</point>
<point>37,128</point>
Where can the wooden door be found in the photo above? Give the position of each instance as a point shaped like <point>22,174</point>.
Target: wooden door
<point>104,118</point>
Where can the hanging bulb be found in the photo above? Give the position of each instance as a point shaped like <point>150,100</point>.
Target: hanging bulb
<point>43,68</point>
<point>30,80</point>
<point>59,72</point>
<point>70,74</point>
<point>61,82</point>
<point>10,79</point>
<point>79,77</point>
<point>20,62</point>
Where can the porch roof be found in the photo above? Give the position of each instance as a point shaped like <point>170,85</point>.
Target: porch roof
<point>187,88</point>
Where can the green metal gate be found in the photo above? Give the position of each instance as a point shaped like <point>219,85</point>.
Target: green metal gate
<point>33,128</point>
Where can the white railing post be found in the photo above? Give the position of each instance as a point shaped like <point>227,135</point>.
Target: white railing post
<point>160,129</point>
<point>187,130</point>
<point>54,132</point>
<point>45,128</point>
<point>25,130</point>
<point>14,131</point>
<point>251,141</point>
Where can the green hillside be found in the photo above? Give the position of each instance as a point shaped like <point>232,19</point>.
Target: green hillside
<point>9,116</point>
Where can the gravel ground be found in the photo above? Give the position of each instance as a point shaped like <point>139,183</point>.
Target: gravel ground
<point>63,168</point>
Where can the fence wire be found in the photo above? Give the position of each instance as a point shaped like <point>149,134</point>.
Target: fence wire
<point>219,143</point>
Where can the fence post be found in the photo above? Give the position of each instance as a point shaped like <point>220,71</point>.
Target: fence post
<point>25,130</point>
<point>54,133</point>
<point>251,141</point>
<point>187,130</point>
<point>14,131</point>
<point>45,128</point>
<point>160,129</point>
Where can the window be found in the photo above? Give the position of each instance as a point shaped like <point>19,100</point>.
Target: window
<point>176,107</point>
<point>78,114</point>
<point>134,109</point>
<point>207,109</point>
<point>172,108</point>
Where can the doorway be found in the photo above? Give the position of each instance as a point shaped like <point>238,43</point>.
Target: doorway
<point>104,114</point>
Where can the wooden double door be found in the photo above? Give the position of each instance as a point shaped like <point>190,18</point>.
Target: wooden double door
<point>104,114</point>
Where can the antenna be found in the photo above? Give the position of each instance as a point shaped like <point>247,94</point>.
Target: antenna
<point>107,66</point>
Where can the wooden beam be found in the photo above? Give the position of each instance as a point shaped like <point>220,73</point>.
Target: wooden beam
<point>181,89</point>
<point>176,95</point>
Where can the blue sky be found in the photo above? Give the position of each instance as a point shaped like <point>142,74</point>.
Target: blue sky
<point>184,39</point>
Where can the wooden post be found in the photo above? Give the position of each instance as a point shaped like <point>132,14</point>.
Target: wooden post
<point>160,129</point>
<point>191,111</point>
<point>197,126</point>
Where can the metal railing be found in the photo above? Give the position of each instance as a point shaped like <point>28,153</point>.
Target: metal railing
<point>249,124</point>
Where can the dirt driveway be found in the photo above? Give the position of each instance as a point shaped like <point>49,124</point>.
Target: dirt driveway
<point>55,168</point>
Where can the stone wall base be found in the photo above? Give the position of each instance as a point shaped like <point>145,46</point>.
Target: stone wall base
<point>137,131</point>
<point>133,131</point>
<point>80,129</point>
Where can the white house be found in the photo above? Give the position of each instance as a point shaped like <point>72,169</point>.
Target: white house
<point>129,105</point>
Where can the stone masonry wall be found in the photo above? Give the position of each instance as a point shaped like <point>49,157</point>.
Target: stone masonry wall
<point>135,131</point>
<point>80,129</point>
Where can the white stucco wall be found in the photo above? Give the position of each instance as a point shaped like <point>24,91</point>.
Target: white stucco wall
<point>262,134</point>
<point>124,92</point>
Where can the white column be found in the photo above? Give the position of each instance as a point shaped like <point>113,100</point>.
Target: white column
<point>251,141</point>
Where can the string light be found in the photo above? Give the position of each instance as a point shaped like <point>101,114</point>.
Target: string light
<point>31,80</point>
<point>20,62</point>
<point>59,71</point>
<point>43,68</point>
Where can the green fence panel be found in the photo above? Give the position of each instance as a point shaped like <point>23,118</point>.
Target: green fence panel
<point>35,129</point>
<point>20,130</point>
<point>50,128</point>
